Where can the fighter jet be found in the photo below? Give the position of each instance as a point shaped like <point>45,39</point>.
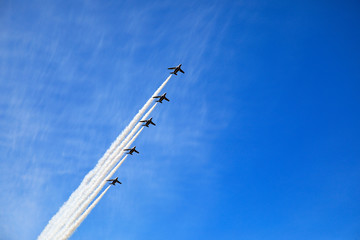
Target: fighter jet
<point>131,150</point>
<point>161,98</point>
<point>176,69</point>
<point>147,122</point>
<point>113,181</point>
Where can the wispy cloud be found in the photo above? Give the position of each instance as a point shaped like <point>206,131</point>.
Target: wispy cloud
<point>72,78</point>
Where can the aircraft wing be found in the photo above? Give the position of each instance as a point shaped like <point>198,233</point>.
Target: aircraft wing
<point>166,99</point>
<point>156,96</point>
<point>172,68</point>
<point>136,151</point>
<point>143,121</point>
<point>127,149</point>
<point>181,70</point>
<point>153,123</point>
<point>110,180</point>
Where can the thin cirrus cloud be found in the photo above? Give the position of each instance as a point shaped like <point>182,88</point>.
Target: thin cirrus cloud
<point>67,89</point>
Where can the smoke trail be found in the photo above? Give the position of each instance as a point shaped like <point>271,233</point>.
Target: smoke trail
<point>53,222</point>
<point>76,210</point>
<point>53,225</point>
<point>74,226</point>
<point>84,215</point>
<point>80,208</point>
<point>77,207</point>
<point>119,151</point>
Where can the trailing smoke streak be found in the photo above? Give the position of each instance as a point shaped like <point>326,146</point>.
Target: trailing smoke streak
<point>80,209</point>
<point>120,151</point>
<point>85,181</point>
<point>77,193</point>
<point>73,227</point>
<point>76,210</point>
<point>84,215</point>
<point>53,225</point>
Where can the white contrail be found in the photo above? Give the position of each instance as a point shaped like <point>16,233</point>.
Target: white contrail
<point>120,151</point>
<point>84,215</point>
<point>81,207</point>
<point>53,225</point>
<point>53,222</point>
<point>74,226</point>
<point>77,208</point>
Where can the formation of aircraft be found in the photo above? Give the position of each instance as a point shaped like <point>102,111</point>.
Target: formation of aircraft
<point>114,181</point>
<point>149,121</point>
<point>176,69</point>
<point>161,98</point>
<point>131,150</point>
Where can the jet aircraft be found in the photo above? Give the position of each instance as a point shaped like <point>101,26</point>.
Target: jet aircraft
<point>131,150</point>
<point>176,69</point>
<point>147,122</point>
<point>113,181</point>
<point>161,98</point>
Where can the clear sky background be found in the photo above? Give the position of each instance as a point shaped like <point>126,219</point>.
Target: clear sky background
<point>260,139</point>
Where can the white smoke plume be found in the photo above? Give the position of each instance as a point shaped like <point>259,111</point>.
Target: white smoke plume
<point>74,226</point>
<point>84,215</point>
<point>55,224</point>
<point>79,208</point>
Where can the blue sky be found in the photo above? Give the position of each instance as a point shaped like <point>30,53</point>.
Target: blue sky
<point>259,141</point>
